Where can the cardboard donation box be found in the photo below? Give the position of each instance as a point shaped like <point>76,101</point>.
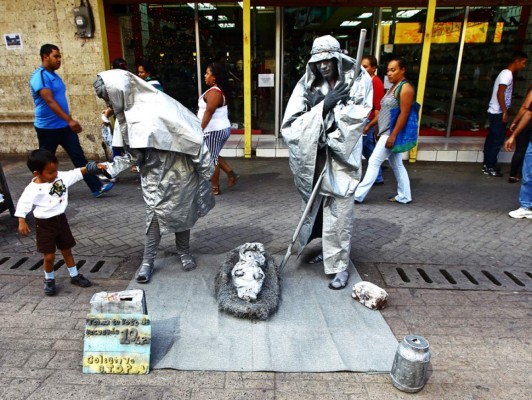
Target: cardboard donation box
<point>117,334</point>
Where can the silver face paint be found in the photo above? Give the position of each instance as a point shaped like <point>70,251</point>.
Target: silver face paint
<point>247,274</point>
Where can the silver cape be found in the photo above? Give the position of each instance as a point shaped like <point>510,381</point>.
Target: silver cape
<point>166,139</point>
<point>304,129</point>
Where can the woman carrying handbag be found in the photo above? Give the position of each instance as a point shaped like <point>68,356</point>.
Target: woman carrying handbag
<point>400,95</point>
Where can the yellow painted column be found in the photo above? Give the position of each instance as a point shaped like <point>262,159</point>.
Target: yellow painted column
<point>103,34</point>
<point>247,78</point>
<point>423,68</point>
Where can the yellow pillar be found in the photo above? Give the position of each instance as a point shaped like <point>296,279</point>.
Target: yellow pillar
<point>423,68</point>
<point>103,34</point>
<point>247,78</point>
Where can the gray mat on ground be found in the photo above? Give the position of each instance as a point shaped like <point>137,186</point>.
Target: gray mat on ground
<point>315,329</point>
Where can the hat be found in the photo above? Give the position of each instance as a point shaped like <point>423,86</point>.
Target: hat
<point>325,48</point>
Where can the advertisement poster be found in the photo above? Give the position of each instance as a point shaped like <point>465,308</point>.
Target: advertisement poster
<point>13,41</point>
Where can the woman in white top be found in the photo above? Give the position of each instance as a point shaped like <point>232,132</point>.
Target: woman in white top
<point>212,112</point>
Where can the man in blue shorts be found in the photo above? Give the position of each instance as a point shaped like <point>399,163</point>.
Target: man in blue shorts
<point>53,122</point>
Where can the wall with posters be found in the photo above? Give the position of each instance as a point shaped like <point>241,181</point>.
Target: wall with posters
<point>33,24</point>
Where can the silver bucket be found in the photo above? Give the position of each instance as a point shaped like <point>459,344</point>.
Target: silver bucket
<point>410,365</point>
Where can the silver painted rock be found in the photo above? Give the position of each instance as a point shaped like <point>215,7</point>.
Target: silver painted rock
<point>370,295</point>
<point>409,370</point>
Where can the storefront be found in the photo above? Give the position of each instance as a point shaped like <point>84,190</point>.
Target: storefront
<point>469,46</point>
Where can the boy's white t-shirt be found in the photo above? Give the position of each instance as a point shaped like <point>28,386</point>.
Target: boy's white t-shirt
<point>505,77</point>
<point>50,199</point>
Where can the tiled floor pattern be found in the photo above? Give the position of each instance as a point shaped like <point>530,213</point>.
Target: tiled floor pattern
<point>430,148</point>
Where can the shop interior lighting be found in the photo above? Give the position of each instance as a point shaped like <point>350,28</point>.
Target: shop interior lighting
<point>202,6</point>
<point>226,25</point>
<point>350,23</point>
<point>406,13</point>
<point>365,15</point>
<point>241,4</point>
<point>386,22</point>
<point>220,17</point>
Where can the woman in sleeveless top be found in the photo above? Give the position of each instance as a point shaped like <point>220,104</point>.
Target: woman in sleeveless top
<point>213,114</point>
<point>403,100</point>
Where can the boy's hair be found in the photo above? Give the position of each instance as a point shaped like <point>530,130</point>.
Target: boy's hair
<point>38,159</point>
<point>47,48</point>
<point>519,55</point>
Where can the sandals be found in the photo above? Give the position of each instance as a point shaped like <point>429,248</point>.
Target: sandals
<point>145,273</point>
<point>188,262</point>
<point>394,200</point>
<point>216,190</point>
<point>232,178</point>
<point>339,281</point>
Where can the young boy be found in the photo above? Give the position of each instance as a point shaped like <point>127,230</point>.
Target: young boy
<point>48,193</point>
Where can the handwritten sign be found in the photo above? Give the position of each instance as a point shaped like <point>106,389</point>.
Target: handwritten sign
<point>117,344</point>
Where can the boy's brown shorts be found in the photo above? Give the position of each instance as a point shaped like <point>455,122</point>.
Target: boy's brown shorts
<point>53,233</point>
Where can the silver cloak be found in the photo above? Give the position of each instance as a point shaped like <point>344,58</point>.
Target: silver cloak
<point>166,140</point>
<point>339,132</point>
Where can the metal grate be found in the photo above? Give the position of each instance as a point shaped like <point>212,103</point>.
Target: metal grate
<point>455,277</point>
<point>92,266</point>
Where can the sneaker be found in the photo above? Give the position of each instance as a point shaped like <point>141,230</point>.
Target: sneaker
<point>145,272</point>
<point>105,188</point>
<point>80,280</point>
<point>521,212</point>
<point>49,287</point>
<point>493,172</point>
<point>484,168</point>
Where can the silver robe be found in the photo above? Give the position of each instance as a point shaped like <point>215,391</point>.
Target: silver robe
<point>304,129</point>
<point>166,139</point>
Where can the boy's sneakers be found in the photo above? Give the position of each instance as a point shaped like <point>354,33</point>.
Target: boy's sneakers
<point>80,280</point>
<point>49,287</point>
<point>105,188</point>
<point>521,212</point>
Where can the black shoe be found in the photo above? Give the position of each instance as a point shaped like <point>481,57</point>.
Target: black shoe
<point>80,280</point>
<point>493,172</point>
<point>484,168</point>
<point>379,183</point>
<point>49,287</point>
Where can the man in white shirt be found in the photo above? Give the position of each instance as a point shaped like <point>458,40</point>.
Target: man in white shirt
<point>501,100</point>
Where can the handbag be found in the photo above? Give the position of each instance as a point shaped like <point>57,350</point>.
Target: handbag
<point>407,137</point>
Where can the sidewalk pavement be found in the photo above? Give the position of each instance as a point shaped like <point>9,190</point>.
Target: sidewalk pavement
<point>479,339</point>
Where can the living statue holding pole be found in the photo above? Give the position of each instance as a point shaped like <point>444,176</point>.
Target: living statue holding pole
<point>322,126</point>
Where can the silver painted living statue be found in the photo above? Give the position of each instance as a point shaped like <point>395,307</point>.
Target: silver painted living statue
<point>165,140</point>
<point>322,126</point>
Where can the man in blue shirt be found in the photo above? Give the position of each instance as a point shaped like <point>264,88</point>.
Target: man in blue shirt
<point>53,122</point>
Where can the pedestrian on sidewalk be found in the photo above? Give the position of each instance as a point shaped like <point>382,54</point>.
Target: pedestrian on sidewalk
<point>213,114</point>
<point>322,127</point>
<point>525,194</point>
<point>498,109</point>
<point>48,193</point>
<point>165,139</point>
<point>400,95</point>
<point>370,64</point>
<point>522,140</point>
<point>53,122</point>
<point>146,71</point>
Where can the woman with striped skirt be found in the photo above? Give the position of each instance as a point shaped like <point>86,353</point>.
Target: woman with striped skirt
<point>213,114</point>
